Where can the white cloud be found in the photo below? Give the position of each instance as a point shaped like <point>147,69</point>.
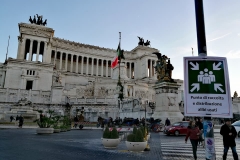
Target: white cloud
<point>211,53</point>
<point>214,39</point>
<point>233,54</point>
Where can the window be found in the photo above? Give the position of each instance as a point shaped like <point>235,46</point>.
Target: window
<point>29,85</point>
<point>185,124</point>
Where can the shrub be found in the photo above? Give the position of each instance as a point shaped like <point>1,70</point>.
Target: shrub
<point>106,133</point>
<point>114,133</point>
<point>139,136</point>
<point>134,130</point>
<point>131,138</point>
<point>144,131</point>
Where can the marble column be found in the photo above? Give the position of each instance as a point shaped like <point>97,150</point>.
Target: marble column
<point>66,61</point>
<point>92,66</point>
<point>82,65</point>
<point>150,69</point>
<point>38,50</point>
<point>107,68</point>
<point>130,71</point>
<point>154,71</point>
<point>97,67</point>
<point>61,53</point>
<point>76,70</point>
<point>146,67</point>
<point>71,69</point>
<point>44,52</point>
<point>87,65</point>
<point>111,72</point>
<point>102,68</point>
<point>30,51</point>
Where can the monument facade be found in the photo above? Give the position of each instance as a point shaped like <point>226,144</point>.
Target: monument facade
<point>51,72</point>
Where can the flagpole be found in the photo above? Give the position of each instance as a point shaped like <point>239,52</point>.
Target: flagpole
<point>119,62</point>
<point>119,79</point>
<point>7,47</point>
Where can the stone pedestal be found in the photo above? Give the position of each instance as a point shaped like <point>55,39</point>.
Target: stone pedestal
<point>28,113</point>
<point>166,102</point>
<point>123,72</point>
<point>56,94</point>
<point>22,107</point>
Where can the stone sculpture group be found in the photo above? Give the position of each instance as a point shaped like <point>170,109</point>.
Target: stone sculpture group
<point>38,21</point>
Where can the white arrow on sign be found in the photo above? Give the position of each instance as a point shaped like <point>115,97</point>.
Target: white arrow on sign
<point>196,86</point>
<point>217,87</point>
<point>195,67</point>
<point>215,67</point>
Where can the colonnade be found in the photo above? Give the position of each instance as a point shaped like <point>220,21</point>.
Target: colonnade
<point>34,47</point>
<point>151,69</point>
<point>84,65</point>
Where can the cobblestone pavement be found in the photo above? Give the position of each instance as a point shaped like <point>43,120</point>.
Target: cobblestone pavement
<point>175,148</point>
<point>25,144</point>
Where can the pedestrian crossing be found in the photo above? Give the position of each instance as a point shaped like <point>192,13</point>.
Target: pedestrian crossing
<point>175,148</point>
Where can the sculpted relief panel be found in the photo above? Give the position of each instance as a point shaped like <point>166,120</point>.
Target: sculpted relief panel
<point>35,32</point>
<point>171,101</point>
<point>141,94</point>
<point>99,92</point>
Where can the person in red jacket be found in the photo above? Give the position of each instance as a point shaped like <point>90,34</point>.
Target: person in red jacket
<point>193,134</point>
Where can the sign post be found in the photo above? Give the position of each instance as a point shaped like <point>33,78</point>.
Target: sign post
<point>206,82</point>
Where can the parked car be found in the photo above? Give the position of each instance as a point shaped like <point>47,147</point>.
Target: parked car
<point>178,128</point>
<point>237,127</point>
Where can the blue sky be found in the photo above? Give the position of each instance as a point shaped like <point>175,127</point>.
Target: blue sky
<point>168,24</point>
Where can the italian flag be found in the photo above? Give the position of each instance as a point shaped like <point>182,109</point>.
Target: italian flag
<point>115,59</point>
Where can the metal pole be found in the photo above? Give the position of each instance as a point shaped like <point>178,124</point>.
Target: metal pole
<point>7,48</point>
<point>119,60</point>
<point>202,51</point>
<point>201,39</point>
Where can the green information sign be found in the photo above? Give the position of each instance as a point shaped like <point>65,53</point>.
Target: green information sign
<point>206,85</point>
<point>206,77</point>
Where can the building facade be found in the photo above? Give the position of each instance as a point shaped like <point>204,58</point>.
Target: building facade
<point>51,72</point>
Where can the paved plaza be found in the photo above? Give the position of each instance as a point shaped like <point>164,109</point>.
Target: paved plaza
<point>25,144</point>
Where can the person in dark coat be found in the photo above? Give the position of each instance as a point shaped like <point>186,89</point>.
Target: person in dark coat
<point>11,118</point>
<point>229,134</point>
<point>20,121</point>
<point>167,122</point>
<point>75,121</point>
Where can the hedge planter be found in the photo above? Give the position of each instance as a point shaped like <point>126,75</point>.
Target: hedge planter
<point>110,143</point>
<point>44,130</point>
<point>136,146</point>
<point>57,130</point>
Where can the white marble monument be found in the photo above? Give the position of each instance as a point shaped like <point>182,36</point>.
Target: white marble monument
<point>166,102</point>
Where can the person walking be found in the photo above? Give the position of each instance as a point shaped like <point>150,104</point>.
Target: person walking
<point>229,134</point>
<point>16,122</point>
<point>193,134</point>
<point>167,122</point>
<point>75,121</point>
<point>11,118</point>
<point>200,127</point>
<point>20,121</point>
